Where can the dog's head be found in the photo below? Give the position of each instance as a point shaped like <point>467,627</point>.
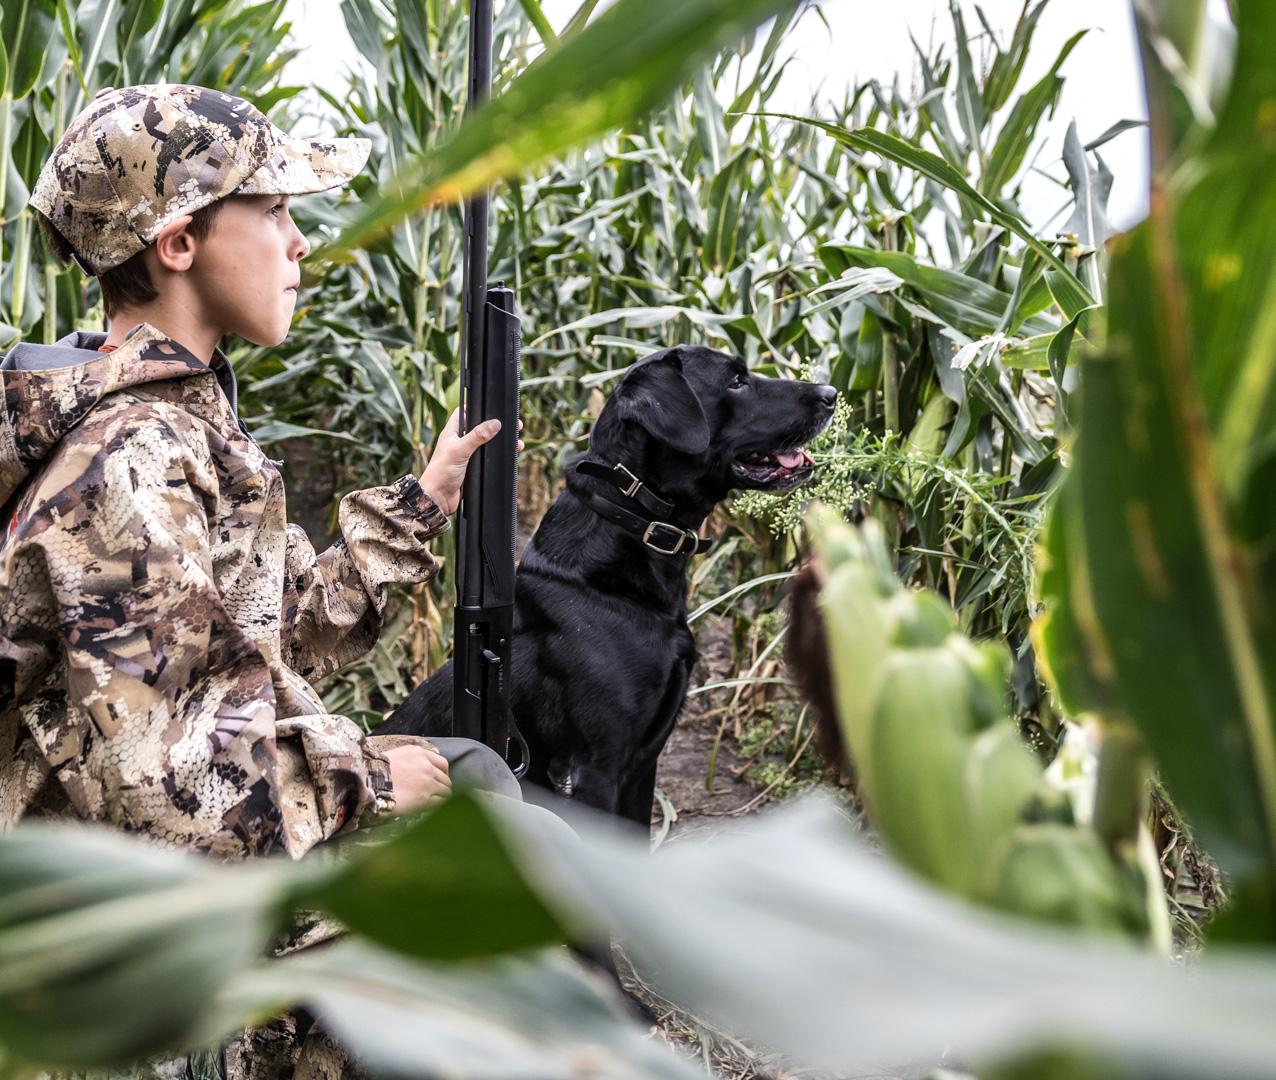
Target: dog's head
<point>695,424</point>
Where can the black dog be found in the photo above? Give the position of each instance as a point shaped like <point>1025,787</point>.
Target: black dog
<point>602,650</point>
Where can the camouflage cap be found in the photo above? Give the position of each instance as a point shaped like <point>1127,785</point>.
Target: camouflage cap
<point>137,158</point>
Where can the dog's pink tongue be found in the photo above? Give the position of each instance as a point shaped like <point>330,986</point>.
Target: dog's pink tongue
<point>792,459</point>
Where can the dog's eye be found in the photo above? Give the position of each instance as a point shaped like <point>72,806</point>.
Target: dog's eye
<point>740,379</point>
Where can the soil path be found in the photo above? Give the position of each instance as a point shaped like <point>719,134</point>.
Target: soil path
<point>684,767</point>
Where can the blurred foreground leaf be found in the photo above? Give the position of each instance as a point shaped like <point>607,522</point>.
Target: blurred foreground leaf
<point>846,961</point>
<point>441,888</point>
<point>791,933</point>
<point>121,943</point>
<point>1161,560</point>
<point>129,946</point>
<point>529,1018</point>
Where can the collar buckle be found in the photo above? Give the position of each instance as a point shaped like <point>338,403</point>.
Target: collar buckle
<point>653,541</point>
<point>633,484</point>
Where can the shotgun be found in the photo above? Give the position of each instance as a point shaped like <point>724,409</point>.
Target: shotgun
<point>490,343</point>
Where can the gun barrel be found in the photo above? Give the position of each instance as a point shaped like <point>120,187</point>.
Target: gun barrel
<point>474,285</point>
<point>484,618</point>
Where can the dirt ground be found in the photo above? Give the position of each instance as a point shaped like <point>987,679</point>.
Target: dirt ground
<point>684,765</point>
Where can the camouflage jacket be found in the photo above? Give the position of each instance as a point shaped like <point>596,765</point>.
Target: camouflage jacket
<point>160,621</point>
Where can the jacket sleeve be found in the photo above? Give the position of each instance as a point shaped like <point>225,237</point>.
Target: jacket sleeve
<point>170,719</point>
<point>333,602</point>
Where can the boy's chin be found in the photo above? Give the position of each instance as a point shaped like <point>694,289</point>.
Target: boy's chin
<point>266,339</point>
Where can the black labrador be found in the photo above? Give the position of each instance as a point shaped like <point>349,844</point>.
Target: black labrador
<point>602,650</point>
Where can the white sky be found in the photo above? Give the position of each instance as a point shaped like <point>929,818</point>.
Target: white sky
<point>870,39</point>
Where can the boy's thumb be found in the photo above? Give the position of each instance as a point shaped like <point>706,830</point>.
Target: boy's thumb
<point>485,432</point>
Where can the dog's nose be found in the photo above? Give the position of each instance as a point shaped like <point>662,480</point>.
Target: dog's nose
<point>828,397</point>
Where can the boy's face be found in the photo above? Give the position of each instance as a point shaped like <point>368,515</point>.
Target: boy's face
<point>247,268</point>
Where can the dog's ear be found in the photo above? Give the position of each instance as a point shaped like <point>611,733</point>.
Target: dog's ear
<point>657,396</point>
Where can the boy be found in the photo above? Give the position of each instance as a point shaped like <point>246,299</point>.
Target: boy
<point>160,622</point>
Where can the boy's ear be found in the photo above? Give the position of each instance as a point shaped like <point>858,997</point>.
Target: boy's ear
<point>172,244</point>
<point>656,396</point>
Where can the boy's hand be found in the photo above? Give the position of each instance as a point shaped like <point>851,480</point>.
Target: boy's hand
<point>420,777</point>
<point>445,472</point>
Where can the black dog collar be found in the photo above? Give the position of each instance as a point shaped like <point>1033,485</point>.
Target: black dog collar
<point>660,536</point>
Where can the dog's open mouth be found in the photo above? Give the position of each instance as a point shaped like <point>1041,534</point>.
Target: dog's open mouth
<point>775,472</point>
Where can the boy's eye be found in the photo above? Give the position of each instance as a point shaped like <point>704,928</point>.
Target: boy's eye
<point>277,206</point>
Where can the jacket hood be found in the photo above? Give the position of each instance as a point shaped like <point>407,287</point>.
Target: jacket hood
<point>46,390</point>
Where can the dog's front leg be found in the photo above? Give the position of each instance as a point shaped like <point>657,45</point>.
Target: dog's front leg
<point>636,798</point>
<point>591,783</point>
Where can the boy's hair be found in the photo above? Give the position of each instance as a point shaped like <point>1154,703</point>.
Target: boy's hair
<point>129,284</point>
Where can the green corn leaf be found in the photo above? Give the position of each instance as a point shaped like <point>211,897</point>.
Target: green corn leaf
<point>864,964</point>
<point>617,68</point>
<point>866,967</point>
<point>1072,297</point>
<point>118,942</point>
<point>639,317</point>
<point>1031,354</point>
<point>970,113</point>
<point>577,22</point>
<point>1170,34</point>
<point>1019,133</point>
<point>532,9</point>
<point>1059,349</point>
<point>973,306</point>
<point>364,28</point>
<point>137,20</point>
<point>1007,66</point>
<point>1120,127</point>
<point>943,173</point>
<point>1091,187</point>
<point>867,372</point>
<point>727,212</point>
<point>27,27</point>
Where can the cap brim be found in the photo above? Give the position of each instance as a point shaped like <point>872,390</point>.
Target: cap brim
<point>305,165</point>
